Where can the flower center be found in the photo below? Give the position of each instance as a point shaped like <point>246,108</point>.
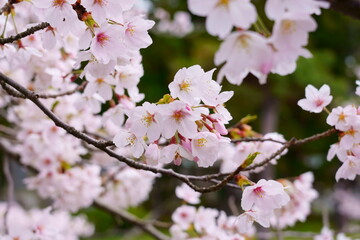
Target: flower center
<point>342,117</point>
<point>352,164</point>
<point>288,26</point>
<point>178,115</point>
<point>259,192</point>
<point>185,86</point>
<point>319,102</point>
<point>351,132</point>
<point>99,80</point>
<point>58,3</point>
<point>130,30</point>
<point>102,38</point>
<point>131,139</point>
<point>223,2</point>
<point>201,142</point>
<point>243,41</point>
<point>148,119</point>
<point>183,215</point>
<point>100,2</point>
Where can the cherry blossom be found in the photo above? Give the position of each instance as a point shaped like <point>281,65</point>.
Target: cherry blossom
<point>315,100</point>
<point>222,15</point>
<point>276,8</point>
<point>244,52</point>
<point>246,220</point>
<point>107,43</point>
<point>187,84</point>
<point>205,146</point>
<point>265,195</point>
<point>129,188</point>
<point>136,33</point>
<point>349,169</point>
<point>124,138</point>
<point>100,85</point>
<point>184,216</point>
<point>326,234</point>
<point>342,118</point>
<point>101,9</point>
<point>179,117</point>
<point>59,14</point>
<point>187,194</point>
<point>175,153</point>
<point>145,120</point>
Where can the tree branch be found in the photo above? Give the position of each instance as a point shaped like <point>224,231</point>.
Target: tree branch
<point>26,33</point>
<point>257,140</point>
<point>144,225</point>
<point>103,145</point>
<point>16,94</point>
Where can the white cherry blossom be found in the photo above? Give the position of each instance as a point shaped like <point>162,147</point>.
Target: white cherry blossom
<point>187,194</point>
<point>315,100</point>
<point>125,138</point>
<point>178,116</point>
<point>223,15</point>
<point>264,195</point>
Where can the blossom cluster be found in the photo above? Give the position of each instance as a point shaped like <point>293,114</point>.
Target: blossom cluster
<point>348,203</point>
<point>301,194</point>
<point>346,120</point>
<point>191,222</point>
<point>180,26</point>
<point>127,187</point>
<point>42,224</point>
<point>259,201</point>
<point>245,51</point>
<point>192,119</point>
<point>204,223</point>
<point>327,234</point>
<point>236,154</point>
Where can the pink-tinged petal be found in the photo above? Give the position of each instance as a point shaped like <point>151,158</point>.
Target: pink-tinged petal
<point>168,154</point>
<point>201,7</point>
<point>185,153</point>
<point>243,13</point>
<point>226,48</point>
<point>153,132</point>
<point>126,4</point>
<point>219,22</point>
<point>244,222</point>
<point>348,170</point>
<point>121,138</point>
<point>274,8</point>
<point>90,89</point>
<point>311,92</point>
<point>248,199</point>
<point>105,91</point>
<point>137,148</point>
<point>188,129</point>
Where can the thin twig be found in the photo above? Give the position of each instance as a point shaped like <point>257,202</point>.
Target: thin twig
<point>257,140</point>
<point>16,94</point>
<point>146,226</point>
<point>70,92</point>
<point>315,137</point>
<point>24,34</point>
